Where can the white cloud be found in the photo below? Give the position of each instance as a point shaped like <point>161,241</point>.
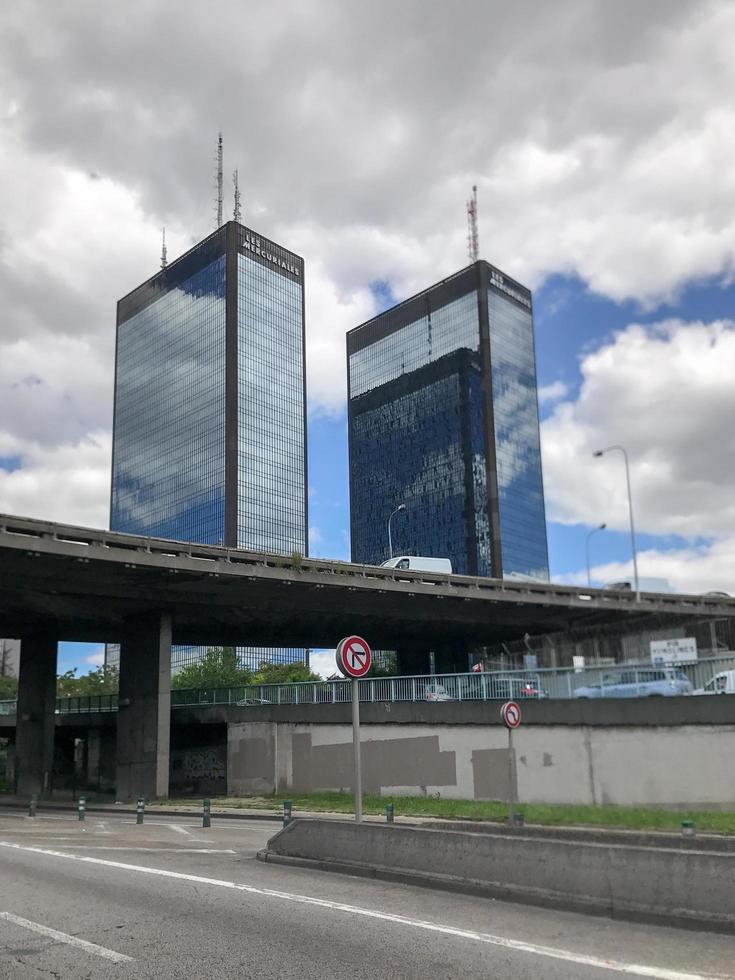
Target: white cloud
<point>695,570</point>
<point>665,392</point>
<point>601,145</point>
<point>322,662</point>
<point>97,658</point>
<point>552,392</point>
<point>69,483</point>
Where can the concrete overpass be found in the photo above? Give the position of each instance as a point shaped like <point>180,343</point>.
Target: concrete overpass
<point>60,582</point>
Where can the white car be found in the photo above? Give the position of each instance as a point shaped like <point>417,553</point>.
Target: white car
<point>640,682</point>
<point>722,683</point>
<point>437,692</point>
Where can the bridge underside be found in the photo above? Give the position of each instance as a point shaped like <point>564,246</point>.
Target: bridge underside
<point>65,583</point>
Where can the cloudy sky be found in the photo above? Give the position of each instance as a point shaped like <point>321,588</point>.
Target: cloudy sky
<point>601,137</point>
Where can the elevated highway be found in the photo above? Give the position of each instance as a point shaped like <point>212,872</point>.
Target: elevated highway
<point>61,582</point>
<point>86,585</point>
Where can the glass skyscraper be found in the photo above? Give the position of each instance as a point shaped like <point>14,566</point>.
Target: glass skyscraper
<point>209,431</point>
<point>443,417</point>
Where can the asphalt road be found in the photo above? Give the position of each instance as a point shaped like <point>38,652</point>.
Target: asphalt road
<point>107,898</point>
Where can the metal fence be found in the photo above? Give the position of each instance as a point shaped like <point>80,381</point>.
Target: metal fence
<point>483,686</point>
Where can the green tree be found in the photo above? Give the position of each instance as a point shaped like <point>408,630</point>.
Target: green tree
<point>387,666</point>
<point>8,688</point>
<point>218,668</point>
<point>103,680</point>
<point>283,673</point>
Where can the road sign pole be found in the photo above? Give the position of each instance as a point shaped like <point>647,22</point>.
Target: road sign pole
<point>356,748</point>
<point>511,787</point>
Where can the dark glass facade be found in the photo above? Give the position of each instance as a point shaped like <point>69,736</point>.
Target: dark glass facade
<point>443,416</point>
<point>209,434</point>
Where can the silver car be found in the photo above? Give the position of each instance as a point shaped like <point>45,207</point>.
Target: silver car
<point>642,682</point>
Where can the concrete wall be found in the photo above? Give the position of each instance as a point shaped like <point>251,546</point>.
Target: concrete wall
<point>663,882</point>
<point>666,766</point>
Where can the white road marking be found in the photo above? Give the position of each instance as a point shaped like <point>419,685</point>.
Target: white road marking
<point>102,827</point>
<point>180,830</point>
<point>518,945</point>
<point>64,937</point>
<point>148,850</point>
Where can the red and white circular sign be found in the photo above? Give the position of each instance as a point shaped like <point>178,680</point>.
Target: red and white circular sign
<point>353,656</point>
<point>511,714</point>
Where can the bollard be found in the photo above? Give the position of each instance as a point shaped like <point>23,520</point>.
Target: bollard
<point>32,806</point>
<point>140,810</point>
<point>389,812</point>
<point>206,814</point>
<point>286,812</point>
<point>687,828</point>
<point>518,819</point>
<point>81,807</point>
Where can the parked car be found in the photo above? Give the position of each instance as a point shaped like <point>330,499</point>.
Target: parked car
<point>642,682</point>
<point>722,683</point>
<point>512,687</point>
<point>437,692</point>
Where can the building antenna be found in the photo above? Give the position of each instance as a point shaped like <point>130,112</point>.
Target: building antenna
<point>164,256</point>
<point>237,213</point>
<point>473,245</point>
<point>219,180</point>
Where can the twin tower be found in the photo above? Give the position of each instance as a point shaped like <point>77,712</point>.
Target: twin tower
<point>209,434</point>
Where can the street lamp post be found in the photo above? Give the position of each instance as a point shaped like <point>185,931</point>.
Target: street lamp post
<point>587,550</point>
<point>398,510</point>
<point>601,452</point>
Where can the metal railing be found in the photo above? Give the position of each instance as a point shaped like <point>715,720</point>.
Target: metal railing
<point>484,686</point>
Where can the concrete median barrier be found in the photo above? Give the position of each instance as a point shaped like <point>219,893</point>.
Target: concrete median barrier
<point>659,883</point>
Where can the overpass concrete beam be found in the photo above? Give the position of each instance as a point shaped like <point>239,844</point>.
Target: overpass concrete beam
<point>144,715</point>
<point>34,745</point>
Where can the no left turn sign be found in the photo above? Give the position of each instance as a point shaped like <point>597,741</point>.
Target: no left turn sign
<point>511,714</point>
<point>353,656</point>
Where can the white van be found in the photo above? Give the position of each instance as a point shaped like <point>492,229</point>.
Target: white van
<point>722,683</point>
<point>416,563</point>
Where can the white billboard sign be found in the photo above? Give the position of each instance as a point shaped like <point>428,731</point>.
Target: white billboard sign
<point>681,651</point>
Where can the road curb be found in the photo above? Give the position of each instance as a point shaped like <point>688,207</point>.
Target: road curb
<point>495,891</point>
<point>687,888</point>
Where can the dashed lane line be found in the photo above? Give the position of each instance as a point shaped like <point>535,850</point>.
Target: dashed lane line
<point>64,937</point>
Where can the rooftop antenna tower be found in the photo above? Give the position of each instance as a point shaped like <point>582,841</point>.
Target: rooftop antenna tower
<point>237,213</point>
<point>219,181</point>
<point>164,256</point>
<point>473,245</point>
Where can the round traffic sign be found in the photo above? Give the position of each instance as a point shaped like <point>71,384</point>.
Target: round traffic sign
<point>353,656</point>
<point>511,714</point>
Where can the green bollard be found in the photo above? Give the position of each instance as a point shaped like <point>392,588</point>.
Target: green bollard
<point>389,813</point>
<point>518,819</point>
<point>32,806</point>
<point>206,814</point>
<point>140,810</point>
<point>81,807</point>
<point>287,809</point>
<point>687,828</point>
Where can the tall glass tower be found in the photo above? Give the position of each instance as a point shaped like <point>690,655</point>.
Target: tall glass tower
<point>443,417</point>
<point>209,431</point>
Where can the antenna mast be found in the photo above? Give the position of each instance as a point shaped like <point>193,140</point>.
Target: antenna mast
<point>237,213</point>
<point>473,246</point>
<point>164,258</point>
<point>219,181</point>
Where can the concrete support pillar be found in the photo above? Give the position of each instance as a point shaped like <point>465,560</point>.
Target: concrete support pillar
<point>34,743</point>
<point>144,715</point>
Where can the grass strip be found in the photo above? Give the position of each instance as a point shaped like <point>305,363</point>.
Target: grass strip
<point>614,817</point>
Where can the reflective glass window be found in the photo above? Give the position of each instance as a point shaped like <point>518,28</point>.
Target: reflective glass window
<point>169,430</point>
<point>517,448</point>
<point>271,508</point>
